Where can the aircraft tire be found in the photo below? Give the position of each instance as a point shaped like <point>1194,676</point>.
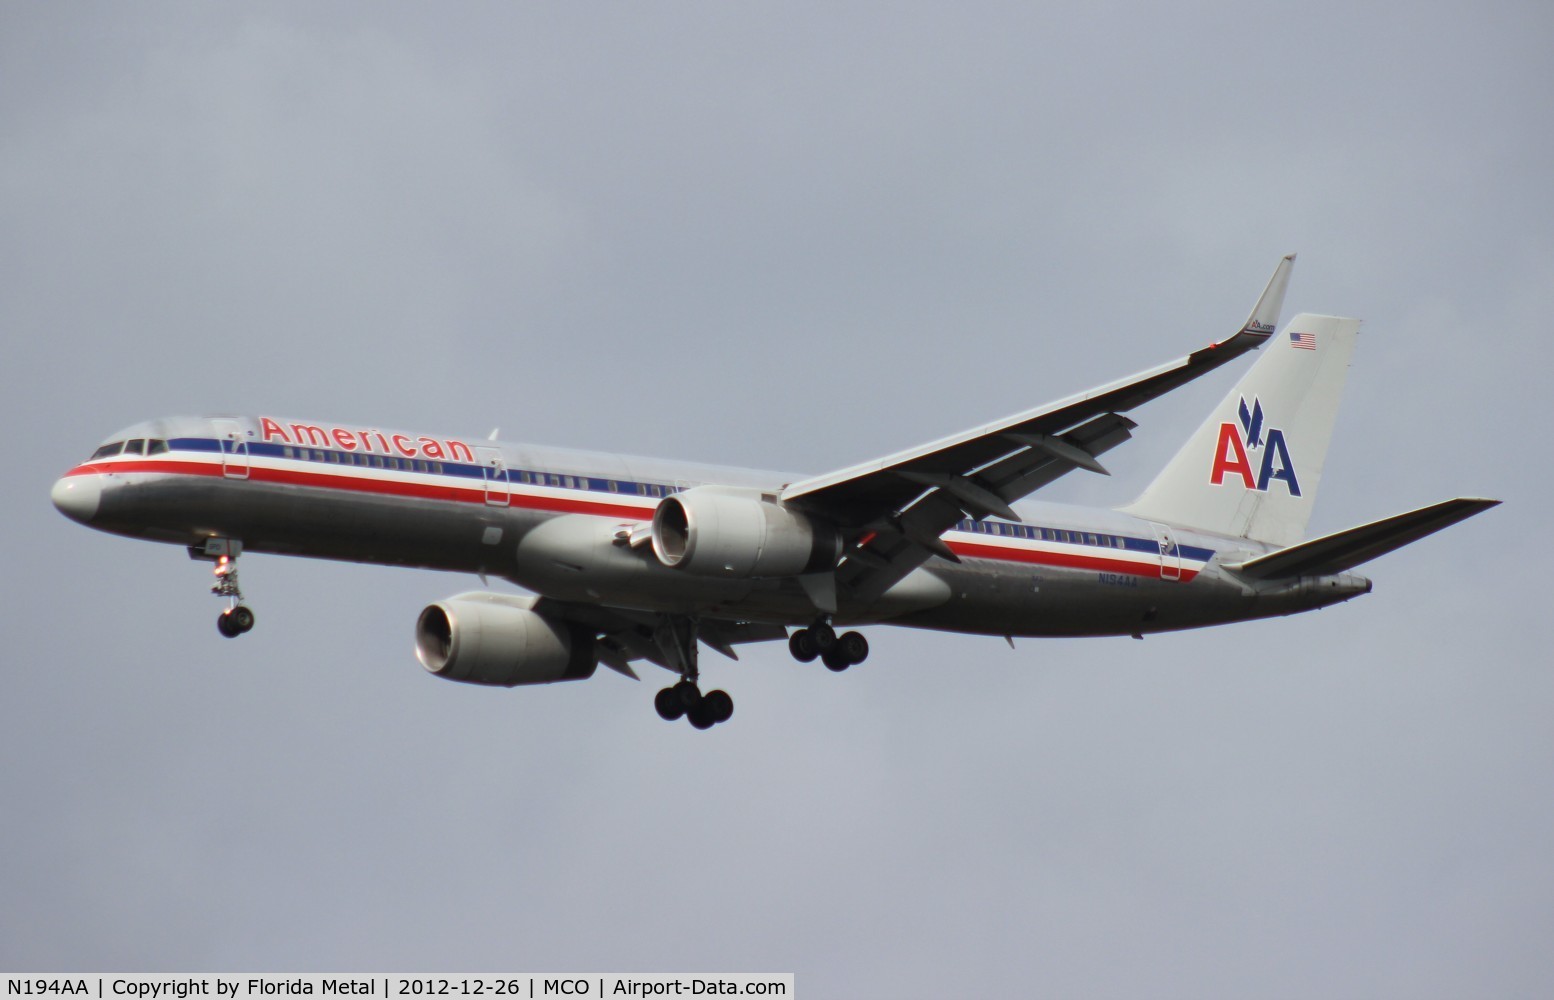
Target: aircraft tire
<point>835,659</point>
<point>853,646</point>
<point>701,716</point>
<point>242,618</point>
<point>688,693</point>
<point>668,704</point>
<point>824,634</point>
<point>718,705</point>
<point>802,645</point>
<point>226,626</point>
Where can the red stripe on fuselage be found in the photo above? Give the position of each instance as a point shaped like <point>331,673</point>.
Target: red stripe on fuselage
<point>1066,560</point>
<point>568,505</point>
<point>383,487</point>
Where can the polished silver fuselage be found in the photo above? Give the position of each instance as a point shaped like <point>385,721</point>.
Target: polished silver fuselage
<point>559,522</point>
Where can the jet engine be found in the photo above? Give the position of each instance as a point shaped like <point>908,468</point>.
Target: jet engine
<point>711,531</point>
<point>499,639</point>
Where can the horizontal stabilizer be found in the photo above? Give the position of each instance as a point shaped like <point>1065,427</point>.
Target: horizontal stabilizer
<point>1349,548</point>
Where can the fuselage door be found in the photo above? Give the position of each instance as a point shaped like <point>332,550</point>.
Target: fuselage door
<point>234,449</point>
<point>1170,555</point>
<point>494,471</point>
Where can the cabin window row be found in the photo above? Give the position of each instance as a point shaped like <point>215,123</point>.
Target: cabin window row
<point>364,460</point>
<point>361,460</point>
<point>1035,534</point>
<point>585,483</point>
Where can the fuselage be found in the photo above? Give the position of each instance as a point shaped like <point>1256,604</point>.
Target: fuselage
<point>559,521</point>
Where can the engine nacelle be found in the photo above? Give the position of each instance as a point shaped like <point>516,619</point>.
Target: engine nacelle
<point>712,531</point>
<point>498,639</point>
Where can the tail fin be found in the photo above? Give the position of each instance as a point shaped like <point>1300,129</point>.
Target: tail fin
<point>1254,466</point>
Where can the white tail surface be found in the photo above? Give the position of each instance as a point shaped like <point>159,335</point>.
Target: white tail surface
<point>1253,468</point>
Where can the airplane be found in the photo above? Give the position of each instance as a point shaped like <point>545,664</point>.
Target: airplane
<point>631,559</point>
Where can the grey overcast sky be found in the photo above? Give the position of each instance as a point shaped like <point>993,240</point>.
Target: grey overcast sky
<point>787,236</point>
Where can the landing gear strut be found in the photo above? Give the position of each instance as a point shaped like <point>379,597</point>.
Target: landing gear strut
<point>676,639</point>
<point>238,617</point>
<point>837,652</point>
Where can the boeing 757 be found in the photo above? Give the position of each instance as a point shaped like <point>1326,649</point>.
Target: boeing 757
<point>632,559</point>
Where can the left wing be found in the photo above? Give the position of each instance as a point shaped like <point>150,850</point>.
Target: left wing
<point>895,508</point>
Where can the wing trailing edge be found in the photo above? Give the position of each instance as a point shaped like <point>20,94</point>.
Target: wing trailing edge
<point>1346,549</point>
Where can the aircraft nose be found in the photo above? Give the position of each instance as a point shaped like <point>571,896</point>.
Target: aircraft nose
<point>77,497</point>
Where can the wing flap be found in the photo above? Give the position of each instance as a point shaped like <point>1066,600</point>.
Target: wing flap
<point>625,635</point>
<point>1346,549</point>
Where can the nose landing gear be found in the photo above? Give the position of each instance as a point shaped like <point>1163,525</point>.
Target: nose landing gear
<point>238,617</point>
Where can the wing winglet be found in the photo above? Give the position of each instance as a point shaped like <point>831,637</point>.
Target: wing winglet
<point>1265,315</point>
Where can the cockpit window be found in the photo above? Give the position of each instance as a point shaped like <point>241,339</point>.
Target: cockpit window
<point>108,450</point>
<point>135,446</point>
<point>155,446</point>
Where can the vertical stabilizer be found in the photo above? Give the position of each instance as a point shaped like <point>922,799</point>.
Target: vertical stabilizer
<point>1254,466</point>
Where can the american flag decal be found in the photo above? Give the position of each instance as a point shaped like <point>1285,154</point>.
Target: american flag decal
<point>1304,341</point>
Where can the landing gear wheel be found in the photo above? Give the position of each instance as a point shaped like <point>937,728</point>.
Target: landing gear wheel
<point>802,645</point>
<point>701,716</point>
<point>234,621</point>
<point>669,705</point>
<point>853,646</point>
<point>718,705</point>
<point>242,618</point>
<point>835,660</point>
<point>824,635</point>
<point>688,693</point>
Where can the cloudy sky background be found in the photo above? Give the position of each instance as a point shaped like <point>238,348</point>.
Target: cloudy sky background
<point>789,237</point>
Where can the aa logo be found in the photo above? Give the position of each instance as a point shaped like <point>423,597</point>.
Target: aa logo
<point>1238,446</point>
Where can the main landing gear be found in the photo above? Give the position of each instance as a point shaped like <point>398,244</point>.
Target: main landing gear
<point>701,710</point>
<point>676,639</point>
<point>837,652</point>
<point>238,617</point>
